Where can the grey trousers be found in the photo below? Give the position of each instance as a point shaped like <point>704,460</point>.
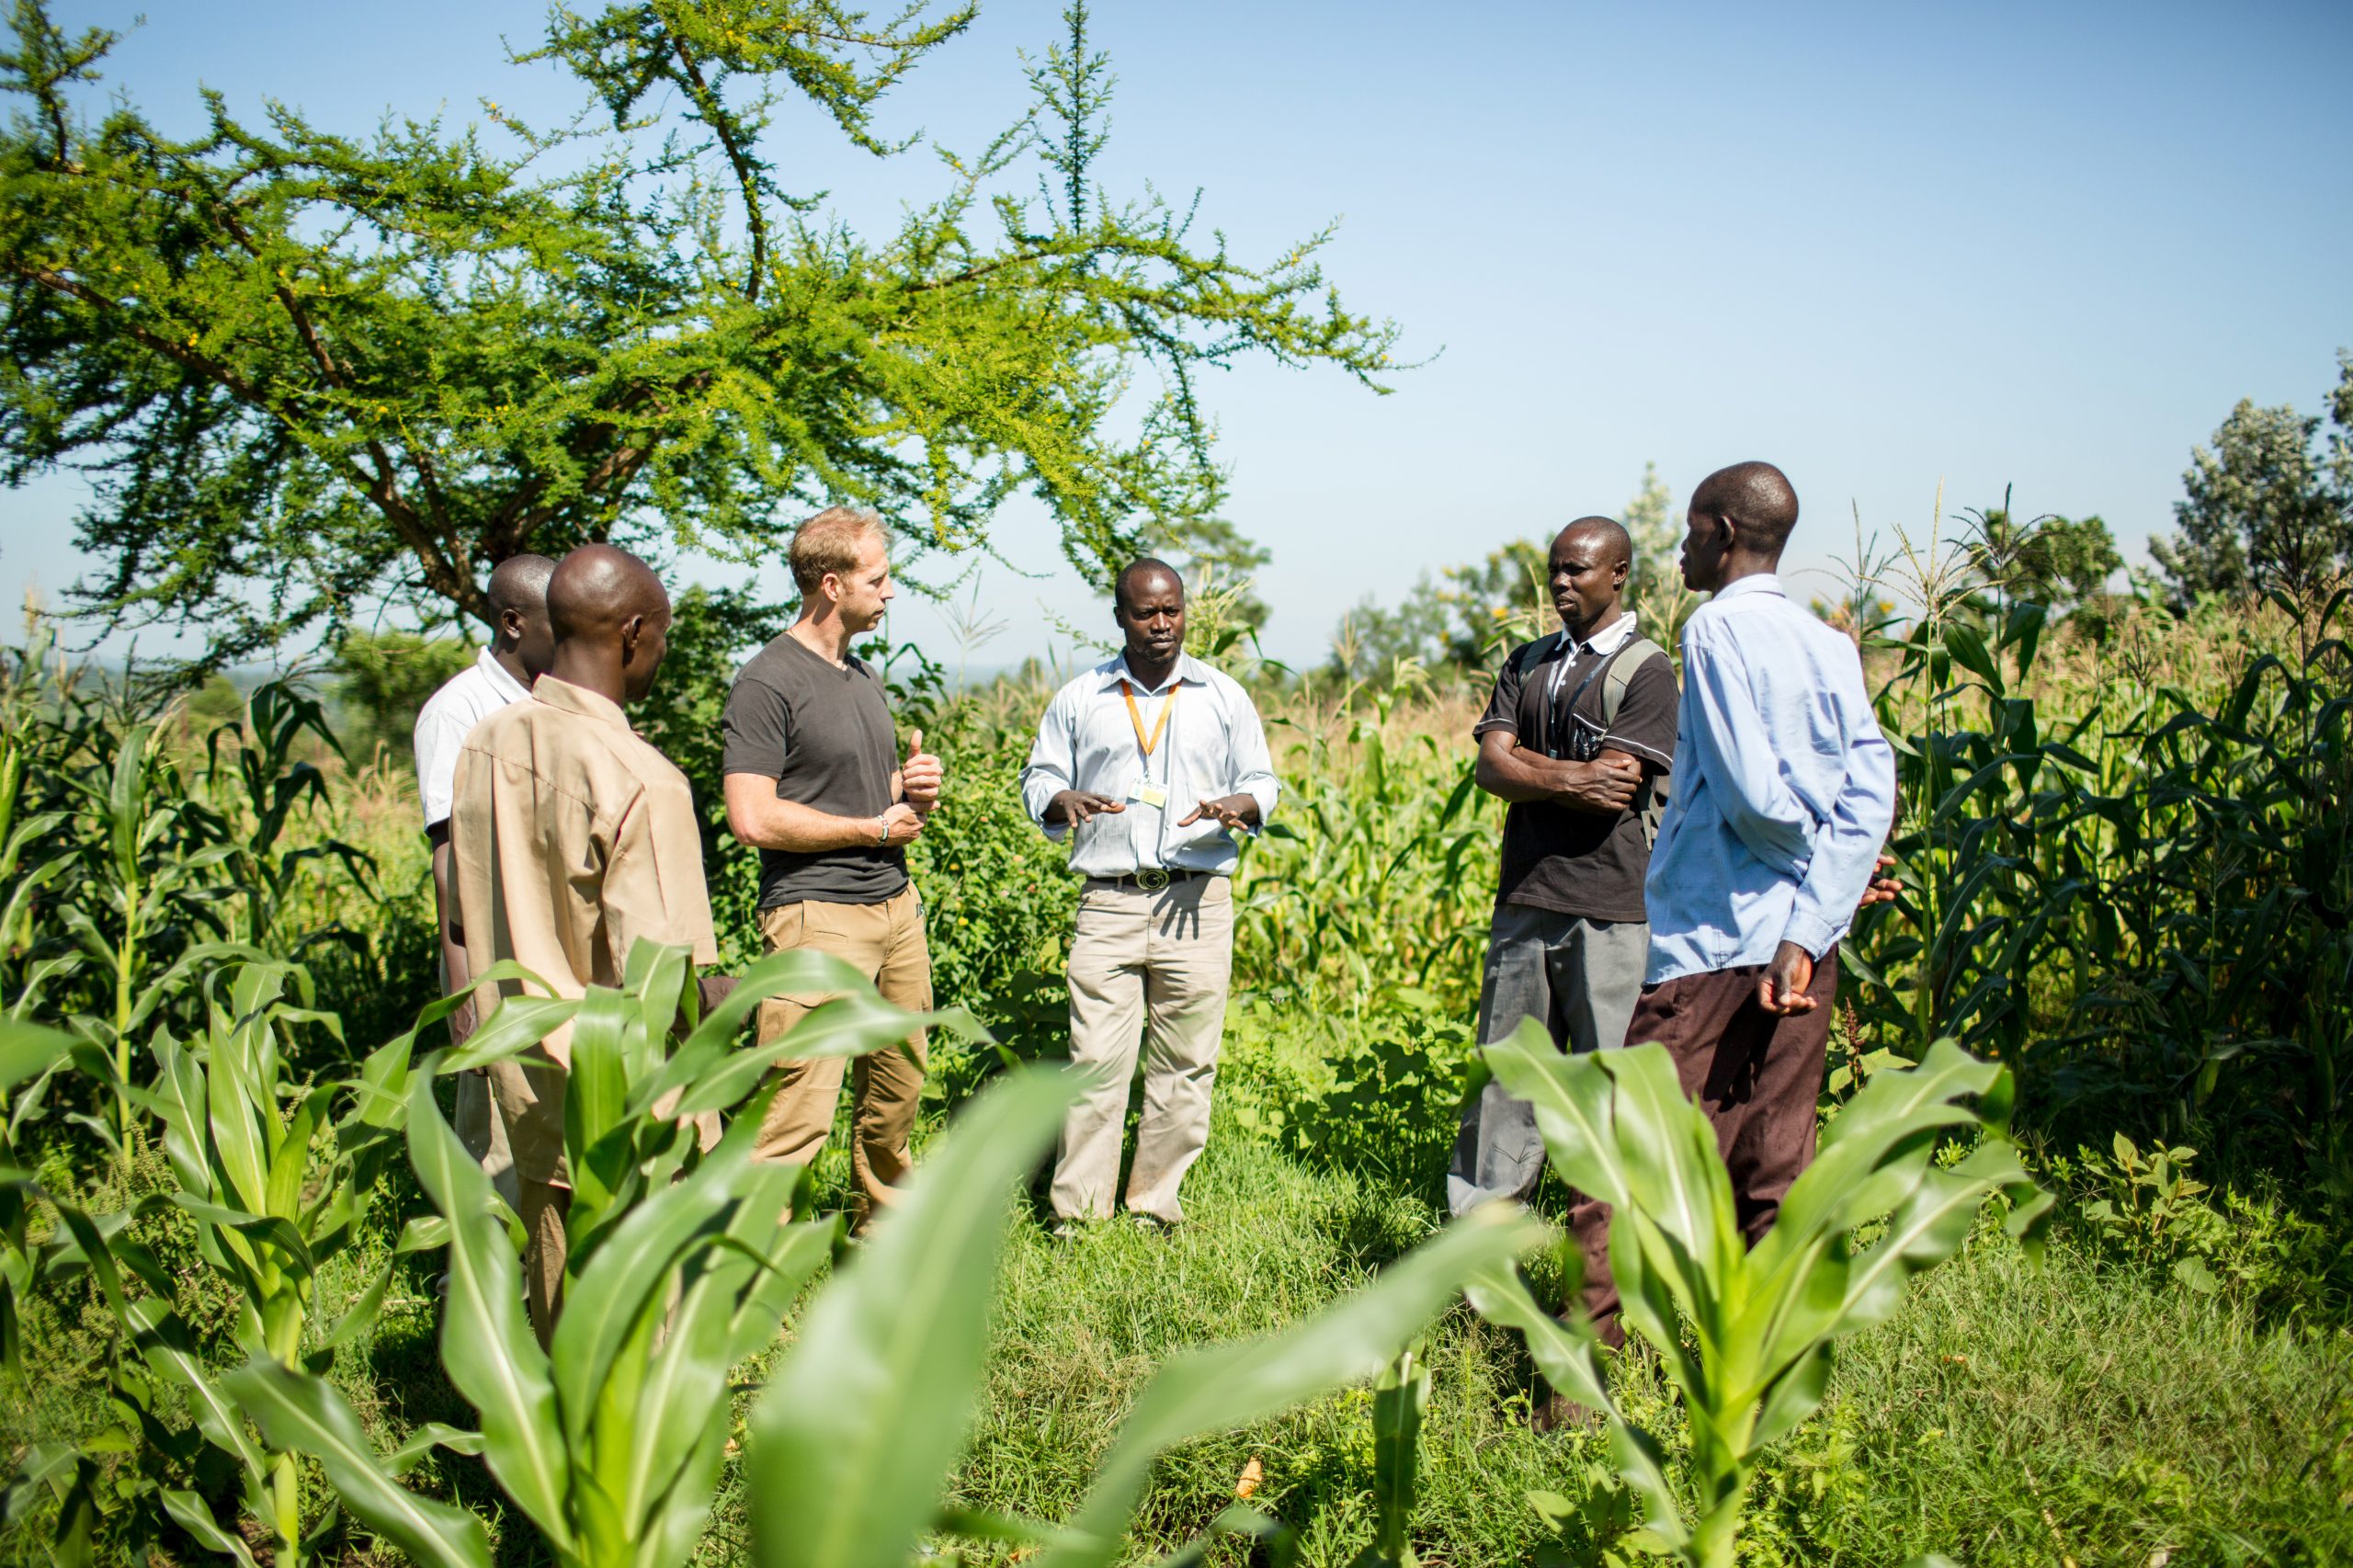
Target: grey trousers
<point>1580,979</point>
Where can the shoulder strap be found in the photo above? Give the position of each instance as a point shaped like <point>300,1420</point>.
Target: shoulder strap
<point>1650,800</point>
<point>1528,655</point>
<point>1630,658</point>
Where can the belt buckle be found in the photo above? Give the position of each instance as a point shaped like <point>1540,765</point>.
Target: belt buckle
<point>1152,879</point>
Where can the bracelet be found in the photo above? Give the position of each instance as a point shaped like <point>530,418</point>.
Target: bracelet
<point>881,831</point>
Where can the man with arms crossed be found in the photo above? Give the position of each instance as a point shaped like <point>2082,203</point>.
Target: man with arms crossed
<point>814,784</point>
<point>1578,737</point>
<point>572,838</point>
<point>1785,791</point>
<point>521,645</point>
<point>1152,763</point>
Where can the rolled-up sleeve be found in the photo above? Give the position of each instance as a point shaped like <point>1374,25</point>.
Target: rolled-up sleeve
<point>1254,766</point>
<point>1734,752</point>
<point>1053,763</point>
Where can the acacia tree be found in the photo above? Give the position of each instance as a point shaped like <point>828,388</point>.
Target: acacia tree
<point>309,374</point>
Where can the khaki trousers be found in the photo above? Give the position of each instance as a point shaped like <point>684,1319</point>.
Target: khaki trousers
<point>543,1209</point>
<point>885,943</point>
<point>483,1132</point>
<point>1155,965</point>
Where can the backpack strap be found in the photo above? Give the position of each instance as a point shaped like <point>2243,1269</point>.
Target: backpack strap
<point>1632,657</point>
<point>1650,800</point>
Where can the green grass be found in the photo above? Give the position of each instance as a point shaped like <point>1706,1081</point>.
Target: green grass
<point>2139,1416</point>
<point>2005,1417</point>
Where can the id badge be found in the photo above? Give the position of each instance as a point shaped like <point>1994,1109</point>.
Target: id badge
<point>1149,794</point>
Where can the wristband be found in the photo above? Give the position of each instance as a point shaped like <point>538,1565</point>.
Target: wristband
<point>881,831</point>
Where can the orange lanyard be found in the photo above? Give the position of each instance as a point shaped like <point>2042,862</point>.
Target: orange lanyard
<point>1159,728</point>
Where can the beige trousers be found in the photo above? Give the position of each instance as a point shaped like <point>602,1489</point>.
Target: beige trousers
<point>885,943</point>
<point>483,1132</point>
<point>1153,965</point>
<point>543,1207</point>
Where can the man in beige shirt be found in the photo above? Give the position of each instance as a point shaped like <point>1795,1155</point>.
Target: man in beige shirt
<point>572,838</point>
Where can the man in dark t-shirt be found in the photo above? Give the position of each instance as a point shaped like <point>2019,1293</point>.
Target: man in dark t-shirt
<point>1579,738</point>
<point>815,783</point>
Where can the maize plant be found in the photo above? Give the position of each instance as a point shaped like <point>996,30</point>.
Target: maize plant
<point>27,1053</point>
<point>1746,1335</point>
<point>854,1441</point>
<point>1400,1397</point>
<point>273,783</point>
<point>22,836</point>
<point>143,893</point>
<point>610,1440</point>
<point>244,1148</point>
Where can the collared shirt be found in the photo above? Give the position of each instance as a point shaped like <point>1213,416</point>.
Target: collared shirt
<point>572,838</point>
<point>1609,640</point>
<point>464,700</point>
<point>1214,745</point>
<point>1575,862</point>
<point>1786,789</point>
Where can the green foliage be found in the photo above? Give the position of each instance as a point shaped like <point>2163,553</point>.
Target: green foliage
<point>27,1052</point>
<point>2146,1211</point>
<point>1373,877</point>
<point>1380,1096</point>
<point>998,902</point>
<point>383,679</point>
<point>2263,504</point>
<point>2133,885</point>
<point>310,372</point>
<point>1744,1335</point>
<point>2058,562</point>
<point>677,1269</point>
<point>134,860</point>
<point>277,1185</point>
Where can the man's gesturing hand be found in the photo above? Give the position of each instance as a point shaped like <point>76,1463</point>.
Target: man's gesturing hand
<point>1605,786</point>
<point>1076,806</point>
<point>1227,809</point>
<point>921,775</point>
<point>1783,987</point>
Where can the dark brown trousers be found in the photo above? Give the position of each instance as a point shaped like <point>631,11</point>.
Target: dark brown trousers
<point>1757,1075</point>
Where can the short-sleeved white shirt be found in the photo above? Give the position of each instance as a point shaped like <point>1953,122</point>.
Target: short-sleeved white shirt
<point>464,700</point>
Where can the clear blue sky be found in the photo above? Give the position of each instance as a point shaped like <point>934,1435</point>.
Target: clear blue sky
<point>1883,246</point>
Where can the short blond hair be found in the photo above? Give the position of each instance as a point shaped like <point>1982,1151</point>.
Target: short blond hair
<point>830,541</point>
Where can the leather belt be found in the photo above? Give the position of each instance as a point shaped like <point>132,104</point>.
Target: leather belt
<point>1152,879</point>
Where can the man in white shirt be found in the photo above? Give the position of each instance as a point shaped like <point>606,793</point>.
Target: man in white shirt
<point>522,646</point>
<point>1151,763</point>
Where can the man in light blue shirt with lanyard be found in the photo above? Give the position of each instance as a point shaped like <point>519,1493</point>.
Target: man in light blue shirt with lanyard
<point>1785,792</point>
<point>1149,763</point>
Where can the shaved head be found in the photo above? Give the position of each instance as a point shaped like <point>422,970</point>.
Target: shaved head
<point>612,616</point>
<point>1756,498</point>
<point>597,588</point>
<point>1136,574</point>
<point>1607,535</point>
<point>520,583</point>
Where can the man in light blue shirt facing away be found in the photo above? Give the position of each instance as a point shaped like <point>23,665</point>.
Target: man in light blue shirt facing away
<point>1785,792</point>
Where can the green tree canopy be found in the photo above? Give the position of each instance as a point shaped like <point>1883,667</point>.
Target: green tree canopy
<point>308,372</point>
<point>2060,563</point>
<point>2267,503</point>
